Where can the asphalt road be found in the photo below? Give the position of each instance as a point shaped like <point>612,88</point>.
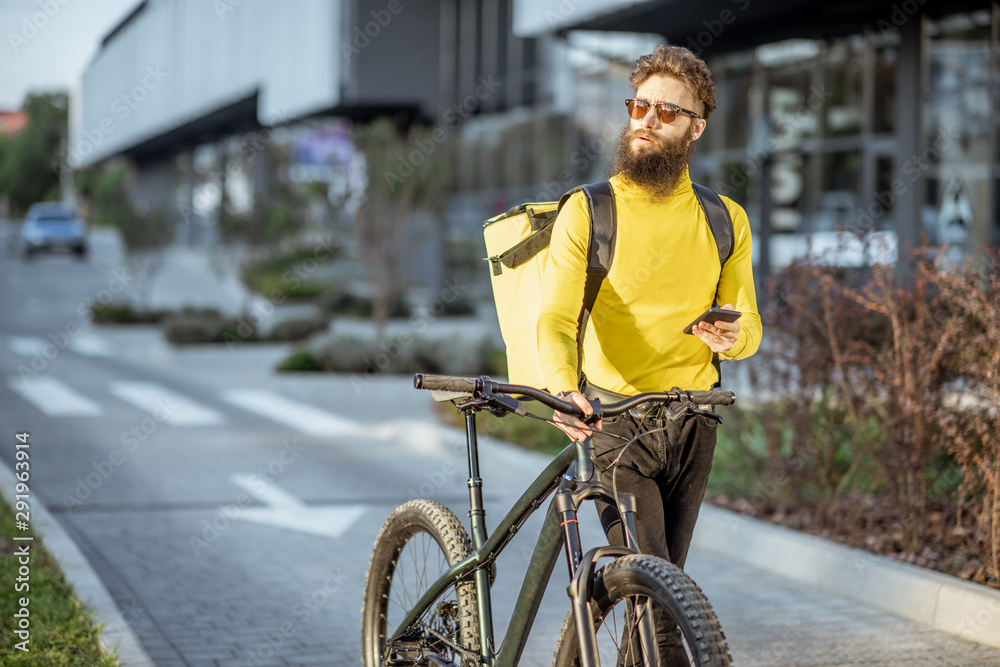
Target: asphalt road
<point>230,510</point>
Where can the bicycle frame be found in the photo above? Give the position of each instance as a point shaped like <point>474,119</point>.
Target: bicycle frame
<point>570,493</point>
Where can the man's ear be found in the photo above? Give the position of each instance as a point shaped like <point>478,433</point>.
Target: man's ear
<point>699,128</point>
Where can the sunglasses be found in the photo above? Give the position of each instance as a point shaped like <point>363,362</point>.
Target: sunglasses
<point>665,111</point>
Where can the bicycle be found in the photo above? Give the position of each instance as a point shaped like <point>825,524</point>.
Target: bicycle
<point>446,619</point>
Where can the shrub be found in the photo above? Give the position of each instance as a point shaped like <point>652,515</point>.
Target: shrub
<point>123,314</point>
<point>402,355</point>
<point>300,360</point>
<point>342,301</point>
<point>877,385</point>
<point>355,354</point>
<point>299,328</point>
<point>192,326</point>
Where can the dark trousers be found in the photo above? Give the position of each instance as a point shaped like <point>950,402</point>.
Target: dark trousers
<point>666,469</point>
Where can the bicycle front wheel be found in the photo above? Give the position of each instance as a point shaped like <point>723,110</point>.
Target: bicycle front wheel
<point>687,629</point>
<point>419,541</point>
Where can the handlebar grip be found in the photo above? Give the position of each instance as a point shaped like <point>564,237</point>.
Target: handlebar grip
<point>713,397</point>
<point>444,383</point>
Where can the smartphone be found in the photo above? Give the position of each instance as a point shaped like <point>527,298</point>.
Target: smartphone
<point>713,315</point>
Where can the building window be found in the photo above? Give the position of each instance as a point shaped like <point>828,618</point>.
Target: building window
<point>959,130</point>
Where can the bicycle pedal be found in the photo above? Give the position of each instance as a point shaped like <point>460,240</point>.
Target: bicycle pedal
<point>406,661</point>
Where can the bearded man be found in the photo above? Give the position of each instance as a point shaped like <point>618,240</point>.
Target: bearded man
<point>665,271</point>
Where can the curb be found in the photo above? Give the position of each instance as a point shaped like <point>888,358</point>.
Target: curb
<point>943,602</point>
<point>116,632</point>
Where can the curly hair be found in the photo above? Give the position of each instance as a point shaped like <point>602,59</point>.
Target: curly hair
<point>681,63</point>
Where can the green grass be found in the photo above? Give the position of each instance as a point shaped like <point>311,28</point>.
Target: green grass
<point>62,630</point>
<point>806,463</point>
<point>288,275</point>
<point>529,433</point>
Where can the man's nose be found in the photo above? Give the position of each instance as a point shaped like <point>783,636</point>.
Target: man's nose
<point>649,120</point>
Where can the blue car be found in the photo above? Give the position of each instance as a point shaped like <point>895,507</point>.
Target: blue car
<point>53,227</point>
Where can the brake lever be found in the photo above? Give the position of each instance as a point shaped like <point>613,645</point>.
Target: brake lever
<point>501,404</point>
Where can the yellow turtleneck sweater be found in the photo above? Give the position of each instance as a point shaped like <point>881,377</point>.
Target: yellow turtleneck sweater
<point>663,274</point>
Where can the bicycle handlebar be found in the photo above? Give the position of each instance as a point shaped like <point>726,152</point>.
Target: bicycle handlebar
<point>484,387</point>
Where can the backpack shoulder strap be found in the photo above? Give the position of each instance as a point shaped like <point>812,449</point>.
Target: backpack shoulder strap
<point>719,220</point>
<point>721,224</point>
<point>600,250</point>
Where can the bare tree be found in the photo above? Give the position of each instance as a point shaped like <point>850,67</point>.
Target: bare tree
<point>408,175</point>
<point>145,234</point>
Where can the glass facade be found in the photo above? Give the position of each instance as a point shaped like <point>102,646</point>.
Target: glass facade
<point>888,134</point>
<point>822,115</point>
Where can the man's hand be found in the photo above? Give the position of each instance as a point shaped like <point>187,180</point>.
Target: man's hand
<point>573,426</point>
<point>720,336</point>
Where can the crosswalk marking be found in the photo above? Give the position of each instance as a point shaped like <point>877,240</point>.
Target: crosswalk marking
<point>301,417</point>
<point>25,345</point>
<point>162,402</point>
<point>83,343</point>
<point>54,398</point>
<point>90,345</point>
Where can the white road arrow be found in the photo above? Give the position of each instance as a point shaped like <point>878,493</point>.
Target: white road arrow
<point>286,511</point>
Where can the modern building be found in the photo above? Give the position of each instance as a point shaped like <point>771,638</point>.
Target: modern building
<point>834,116</point>
<point>201,99</point>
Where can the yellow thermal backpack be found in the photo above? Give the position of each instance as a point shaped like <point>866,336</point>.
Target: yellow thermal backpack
<point>517,247</point>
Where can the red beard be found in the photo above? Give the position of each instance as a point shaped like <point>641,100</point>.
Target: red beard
<point>656,166</point>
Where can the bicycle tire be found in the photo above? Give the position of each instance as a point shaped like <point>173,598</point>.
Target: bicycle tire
<point>434,539</point>
<point>670,589</point>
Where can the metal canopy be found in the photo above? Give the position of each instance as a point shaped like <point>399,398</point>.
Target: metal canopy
<point>713,27</point>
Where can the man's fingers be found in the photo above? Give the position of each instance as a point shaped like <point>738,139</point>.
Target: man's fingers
<point>571,426</point>
<point>581,402</point>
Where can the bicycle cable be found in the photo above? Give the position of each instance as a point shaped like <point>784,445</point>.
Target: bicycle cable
<point>613,466</point>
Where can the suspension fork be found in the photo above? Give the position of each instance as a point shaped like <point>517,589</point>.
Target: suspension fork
<point>582,566</point>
